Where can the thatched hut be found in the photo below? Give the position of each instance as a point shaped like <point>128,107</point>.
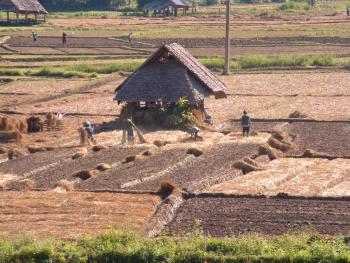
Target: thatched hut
<point>169,74</point>
<point>23,7</point>
<point>167,7</point>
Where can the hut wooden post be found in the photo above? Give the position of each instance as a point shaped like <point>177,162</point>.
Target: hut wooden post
<point>8,15</point>
<point>36,17</point>
<point>17,16</point>
<point>227,39</point>
<point>26,17</point>
<point>44,17</point>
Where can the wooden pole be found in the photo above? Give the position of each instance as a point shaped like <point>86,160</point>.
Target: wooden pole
<point>17,17</point>
<point>227,39</point>
<point>8,16</point>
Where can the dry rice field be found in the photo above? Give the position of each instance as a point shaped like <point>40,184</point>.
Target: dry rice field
<point>70,215</point>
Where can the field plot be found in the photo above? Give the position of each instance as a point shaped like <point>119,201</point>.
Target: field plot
<point>134,173</point>
<point>69,215</point>
<point>296,177</point>
<point>47,174</point>
<point>328,137</point>
<point>197,172</point>
<point>228,216</point>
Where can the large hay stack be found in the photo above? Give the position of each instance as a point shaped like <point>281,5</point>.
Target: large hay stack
<point>13,124</point>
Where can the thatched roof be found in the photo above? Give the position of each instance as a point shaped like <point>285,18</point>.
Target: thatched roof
<point>23,6</point>
<point>162,4</point>
<point>169,74</point>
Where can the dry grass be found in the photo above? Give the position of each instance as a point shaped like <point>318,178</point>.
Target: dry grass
<point>302,177</point>
<point>72,214</point>
<point>66,185</point>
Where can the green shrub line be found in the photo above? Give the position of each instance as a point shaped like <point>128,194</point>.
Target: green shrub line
<point>124,247</point>
<point>90,70</point>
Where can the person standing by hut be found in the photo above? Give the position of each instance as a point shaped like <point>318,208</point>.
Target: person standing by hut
<point>128,131</point>
<point>246,123</point>
<point>129,39</point>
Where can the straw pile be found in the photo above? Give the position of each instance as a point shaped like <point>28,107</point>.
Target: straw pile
<point>103,167</point>
<point>265,149</point>
<point>14,153</point>
<point>99,147</point>
<point>308,153</point>
<point>80,153</point>
<point>12,124</point>
<point>166,189</point>
<point>297,115</point>
<point>86,174</point>
<point>194,151</point>
<point>65,185</point>
<point>247,165</point>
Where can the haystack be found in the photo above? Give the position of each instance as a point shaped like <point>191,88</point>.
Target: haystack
<point>12,124</point>
<point>132,158</point>
<point>160,143</point>
<point>166,189</point>
<point>86,174</point>
<point>36,149</point>
<point>280,135</point>
<point>148,153</point>
<point>99,147</point>
<point>297,115</point>
<point>309,153</point>
<point>251,161</point>
<point>14,153</point>
<point>279,145</point>
<point>51,121</point>
<point>103,167</point>
<point>80,153</point>
<point>35,124</point>
<point>194,151</point>
<point>265,149</point>
<point>3,150</point>
<point>66,185</point>
<point>83,135</point>
<point>246,167</point>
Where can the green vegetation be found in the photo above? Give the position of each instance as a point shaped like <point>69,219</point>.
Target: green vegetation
<point>128,247</point>
<point>260,61</point>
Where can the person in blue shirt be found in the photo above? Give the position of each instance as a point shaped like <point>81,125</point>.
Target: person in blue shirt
<point>246,122</point>
<point>90,131</point>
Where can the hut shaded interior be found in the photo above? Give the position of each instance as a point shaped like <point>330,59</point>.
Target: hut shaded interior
<point>24,7</point>
<point>170,74</point>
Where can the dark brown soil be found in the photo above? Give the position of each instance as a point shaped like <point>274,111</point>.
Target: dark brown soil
<point>82,42</point>
<point>31,162</point>
<point>328,137</point>
<point>203,169</point>
<point>229,216</point>
<point>133,171</point>
<point>261,126</point>
<point>66,167</point>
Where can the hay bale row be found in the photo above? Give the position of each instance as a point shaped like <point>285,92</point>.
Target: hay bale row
<point>247,165</point>
<point>265,149</point>
<point>309,153</point>
<point>280,145</point>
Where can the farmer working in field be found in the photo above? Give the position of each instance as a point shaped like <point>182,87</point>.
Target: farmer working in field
<point>90,131</point>
<point>194,133</point>
<point>129,38</point>
<point>246,122</point>
<point>64,38</point>
<point>34,36</point>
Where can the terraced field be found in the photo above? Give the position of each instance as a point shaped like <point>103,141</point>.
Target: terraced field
<point>226,216</point>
